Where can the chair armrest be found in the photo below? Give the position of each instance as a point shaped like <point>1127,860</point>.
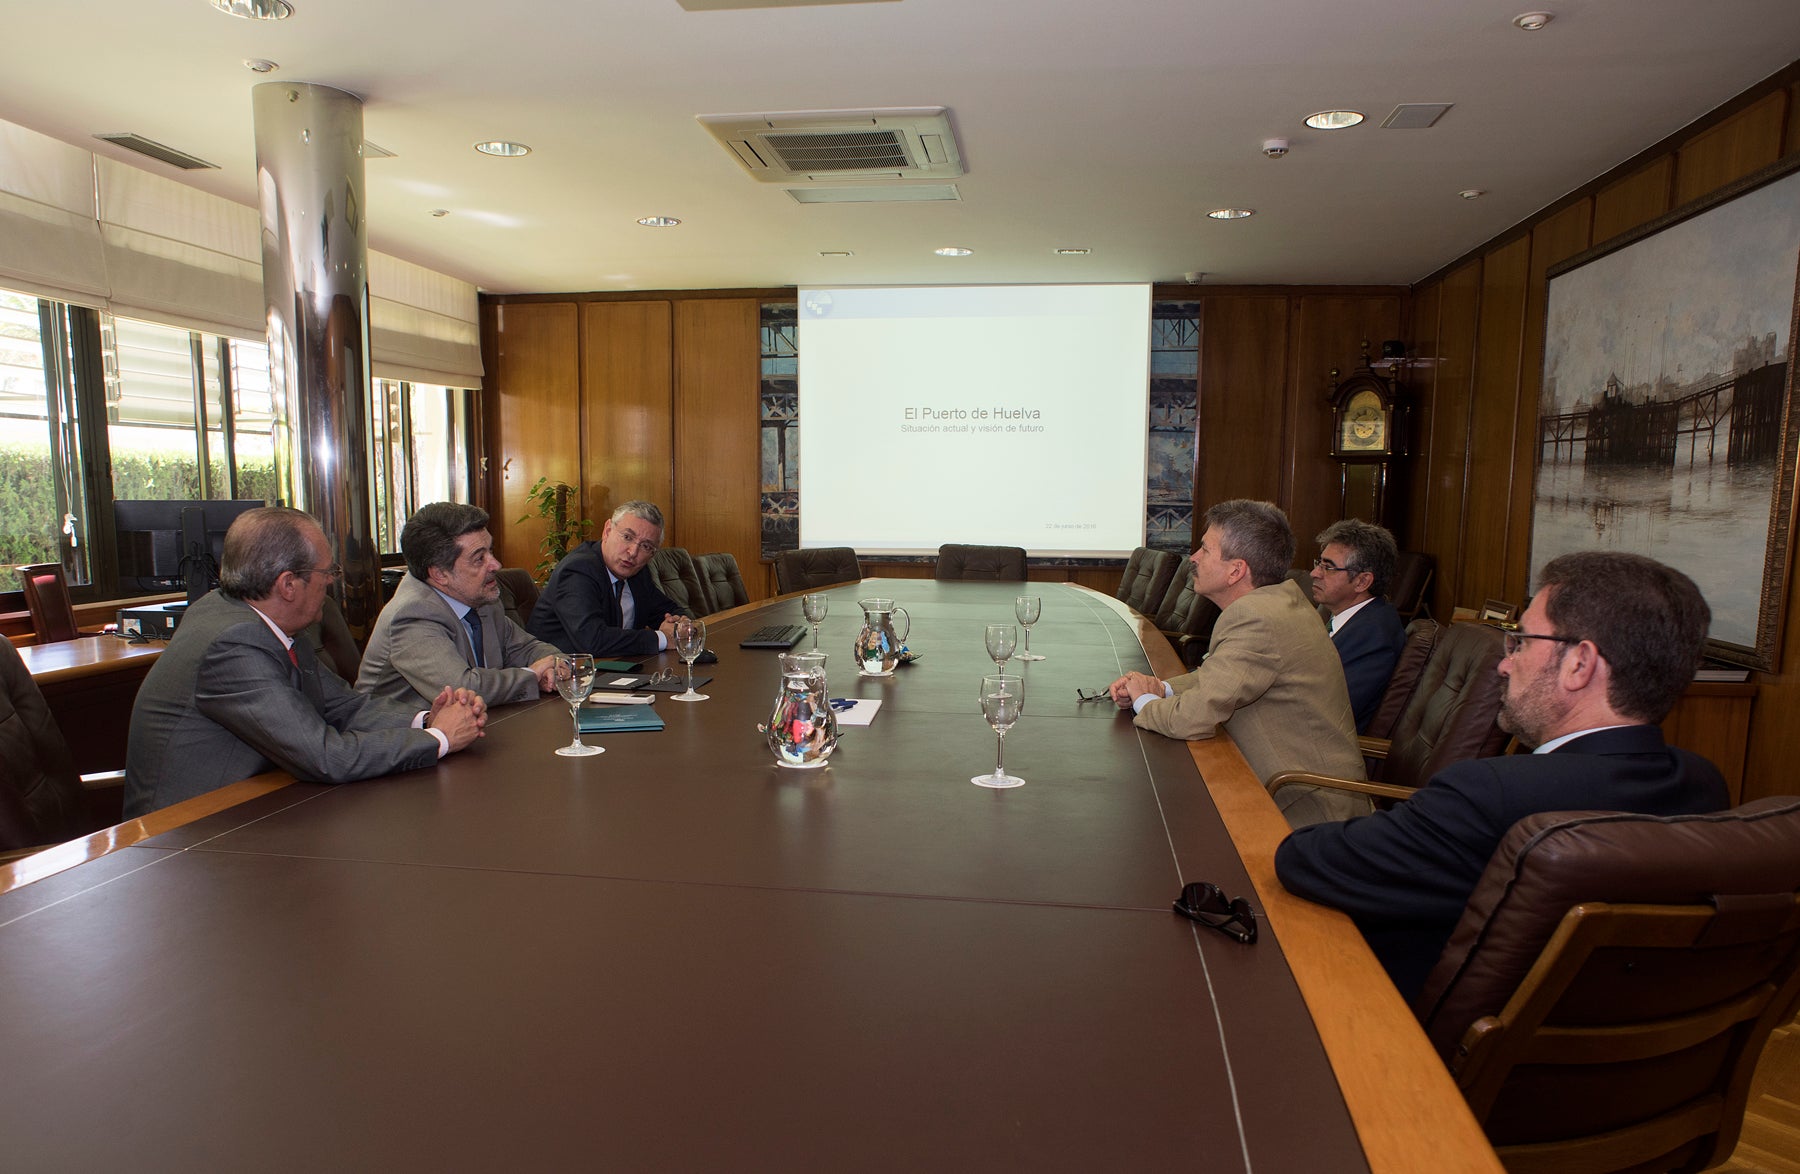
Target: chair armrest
<point>1373,747</point>
<point>103,780</point>
<point>1307,778</point>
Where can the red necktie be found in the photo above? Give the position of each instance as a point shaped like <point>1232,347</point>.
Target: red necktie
<point>293,657</point>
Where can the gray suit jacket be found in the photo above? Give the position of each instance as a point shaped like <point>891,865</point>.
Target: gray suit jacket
<point>419,646</point>
<point>1273,681</point>
<point>223,703</point>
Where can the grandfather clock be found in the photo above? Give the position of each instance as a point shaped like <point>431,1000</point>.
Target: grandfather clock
<point>1367,440</point>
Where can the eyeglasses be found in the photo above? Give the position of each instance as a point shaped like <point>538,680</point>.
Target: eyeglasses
<point>1101,694</point>
<point>334,570</point>
<point>1326,565</point>
<point>644,545</point>
<point>1206,903</point>
<point>664,677</point>
<point>1512,641</point>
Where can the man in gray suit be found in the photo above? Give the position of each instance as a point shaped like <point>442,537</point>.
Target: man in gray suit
<point>445,623</point>
<point>234,695</point>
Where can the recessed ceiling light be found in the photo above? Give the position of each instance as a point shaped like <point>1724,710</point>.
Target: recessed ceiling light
<point>503,148</point>
<point>1472,193</point>
<point>255,9</point>
<point>658,221</point>
<point>1531,22</point>
<point>1072,252</point>
<point>260,65</point>
<point>836,253</point>
<point>1231,213</point>
<point>953,251</point>
<point>1334,119</point>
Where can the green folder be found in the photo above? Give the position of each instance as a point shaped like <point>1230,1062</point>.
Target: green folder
<point>618,719</point>
<point>614,666</point>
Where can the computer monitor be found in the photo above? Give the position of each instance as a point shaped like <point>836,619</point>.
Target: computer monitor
<point>169,545</point>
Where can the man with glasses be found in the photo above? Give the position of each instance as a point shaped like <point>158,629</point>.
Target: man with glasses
<point>445,622</point>
<point>601,599</point>
<point>1599,658</point>
<point>1350,580</point>
<point>235,694</point>
<point>1270,678</point>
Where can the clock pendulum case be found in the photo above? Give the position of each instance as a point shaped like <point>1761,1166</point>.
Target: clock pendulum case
<point>1367,420</point>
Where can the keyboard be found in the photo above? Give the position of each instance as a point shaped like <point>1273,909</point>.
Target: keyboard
<point>774,636</point>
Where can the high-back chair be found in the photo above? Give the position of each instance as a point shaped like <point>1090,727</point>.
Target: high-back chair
<point>673,571</point>
<point>1146,578</point>
<point>1409,669</point>
<point>1412,579</point>
<point>42,800</point>
<point>1187,618</point>
<point>518,594</point>
<point>992,563</point>
<point>723,581</point>
<point>46,591</point>
<point>332,642</point>
<point>1614,977</point>
<point>816,567</point>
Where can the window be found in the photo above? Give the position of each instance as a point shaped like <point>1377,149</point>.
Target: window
<point>43,513</point>
<point>418,451</point>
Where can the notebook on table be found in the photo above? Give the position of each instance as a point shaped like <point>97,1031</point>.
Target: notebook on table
<point>618,719</point>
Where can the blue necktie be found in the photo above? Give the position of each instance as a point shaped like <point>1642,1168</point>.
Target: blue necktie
<point>473,622</point>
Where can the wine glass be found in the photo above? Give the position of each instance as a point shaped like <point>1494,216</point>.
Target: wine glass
<point>1002,701</point>
<point>1027,608</point>
<point>1001,640</point>
<point>690,642</point>
<point>814,608</point>
<point>575,680</point>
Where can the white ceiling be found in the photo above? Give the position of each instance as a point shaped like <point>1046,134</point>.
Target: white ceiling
<point>1106,124</point>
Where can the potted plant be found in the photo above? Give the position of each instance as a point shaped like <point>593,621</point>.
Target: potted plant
<point>549,501</point>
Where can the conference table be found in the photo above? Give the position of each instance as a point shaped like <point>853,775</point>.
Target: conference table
<point>678,955</point>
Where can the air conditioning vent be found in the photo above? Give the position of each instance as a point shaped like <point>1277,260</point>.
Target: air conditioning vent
<point>161,152</point>
<point>824,145</point>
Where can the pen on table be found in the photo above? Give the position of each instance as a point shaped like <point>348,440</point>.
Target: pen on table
<point>843,703</point>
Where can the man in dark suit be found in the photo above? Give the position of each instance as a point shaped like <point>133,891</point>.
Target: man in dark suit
<point>1350,579</point>
<point>445,623</point>
<point>601,599</point>
<point>235,695</point>
<point>1601,655</point>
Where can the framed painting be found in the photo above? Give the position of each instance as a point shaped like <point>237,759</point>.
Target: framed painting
<point>1666,422</point>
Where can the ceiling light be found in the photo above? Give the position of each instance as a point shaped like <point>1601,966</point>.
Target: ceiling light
<point>440,212</point>
<point>1072,252</point>
<point>260,65</point>
<point>1231,213</point>
<point>1531,22</point>
<point>1334,119</point>
<point>255,9</point>
<point>658,221</point>
<point>503,148</point>
<point>1472,193</point>
<point>836,253</point>
<point>953,251</point>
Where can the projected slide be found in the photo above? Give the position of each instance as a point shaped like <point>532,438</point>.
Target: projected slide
<point>1011,415</point>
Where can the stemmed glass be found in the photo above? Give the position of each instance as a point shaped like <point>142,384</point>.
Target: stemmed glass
<point>1002,701</point>
<point>1001,640</point>
<point>690,642</point>
<point>814,608</point>
<point>575,680</point>
<point>1027,608</point>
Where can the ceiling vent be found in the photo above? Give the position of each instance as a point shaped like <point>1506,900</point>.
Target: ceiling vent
<point>1415,115</point>
<point>811,146</point>
<point>160,152</point>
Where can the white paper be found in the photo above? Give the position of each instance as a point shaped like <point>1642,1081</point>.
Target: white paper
<point>860,714</point>
<point>617,683</point>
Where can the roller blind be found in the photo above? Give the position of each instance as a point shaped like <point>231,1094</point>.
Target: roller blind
<point>49,239</point>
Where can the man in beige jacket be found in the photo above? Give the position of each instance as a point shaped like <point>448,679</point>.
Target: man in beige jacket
<point>1271,678</point>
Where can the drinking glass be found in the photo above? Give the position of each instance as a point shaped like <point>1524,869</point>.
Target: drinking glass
<point>814,608</point>
<point>1001,640</point>
<point>1027,608</point>
<point>690,642</point>
<point>1002,701</point>
<point>575,680</point>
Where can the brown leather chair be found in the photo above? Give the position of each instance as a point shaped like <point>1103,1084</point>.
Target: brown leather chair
<point>723,581</point>
<point>821,566</point>
<point>1412,579</point>
<point>673,571</point>
<point>1604,999</point>
<point>1186,618</point>
<point>1005,564</point>
<point>518,594</point>
<point>42,800</point>
<point>47,599</point>
<point>1146,578</point>
<point>332,642</point>
<point>1415,654</point>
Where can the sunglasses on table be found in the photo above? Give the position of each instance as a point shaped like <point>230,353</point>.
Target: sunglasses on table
<point>1206,903</point>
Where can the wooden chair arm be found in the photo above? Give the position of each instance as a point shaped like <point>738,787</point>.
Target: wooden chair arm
<point>1307,778</point>
<point>1372,747</point>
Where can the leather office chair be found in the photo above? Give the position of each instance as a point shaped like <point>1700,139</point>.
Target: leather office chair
<point>1005,564</point>
<point>1412,579</point>
<point>723,581</point>
<point>42,800</point>
<point>1186,618</point>
<point>673,571</point>
<point>1145,582</point>
<point>1604,999</point>
<point>1415,654</point>
<point>47,599</point>
<point>1450,717</point>
<point>821,566</point>
<point>518,594</point>
<point>332,642</point>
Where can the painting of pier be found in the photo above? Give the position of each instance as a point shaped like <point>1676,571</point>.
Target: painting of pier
<point>1665,421</point>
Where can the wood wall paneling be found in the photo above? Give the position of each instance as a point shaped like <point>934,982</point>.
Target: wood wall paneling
<point>1792,143</point>
<point>1636,199</point>
<point>534,405</point>
<point>1240,442</point>
<point>1493,419</point>
<point>718,433</point>
<point>1748,140</point>
<point>1418,390</point>
<point>627,400</point>
<point>1459,302</point>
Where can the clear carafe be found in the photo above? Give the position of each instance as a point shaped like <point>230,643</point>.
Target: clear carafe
<point>878,646</point>
<point>802,730</point>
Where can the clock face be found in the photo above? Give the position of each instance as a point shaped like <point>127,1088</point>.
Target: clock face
<point>1363,425</point>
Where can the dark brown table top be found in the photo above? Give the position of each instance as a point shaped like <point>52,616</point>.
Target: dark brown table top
<point>86,656</point>
<point>678,955</point>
